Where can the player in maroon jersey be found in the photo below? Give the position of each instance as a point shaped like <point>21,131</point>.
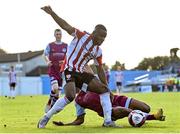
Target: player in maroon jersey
<point>122,106</point>
<point>54,55</point>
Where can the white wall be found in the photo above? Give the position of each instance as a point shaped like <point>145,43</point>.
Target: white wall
<point>33,63</point>
<point>25,86</point>
<point>28,65</point>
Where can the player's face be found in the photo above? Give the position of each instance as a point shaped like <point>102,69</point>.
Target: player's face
<point>12,68</point>
<point>58,36</point>
<point>99,36</point>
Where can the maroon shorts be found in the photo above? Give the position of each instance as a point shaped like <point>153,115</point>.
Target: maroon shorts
<point>91,101</point>
<point>119,101</point>
<point>55,75</point>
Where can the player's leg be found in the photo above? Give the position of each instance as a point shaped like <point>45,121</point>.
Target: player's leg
<point>96,86</point>
<point>80,113</point>
<point>70,92</point>
<point>54,94</point>
<point>59,105</point>
<point>10,91</point>
<point>157,116</point>
<point>56,87</point>
<point>136,104</point>
<point>117,88</point>
<point>120,112</point>
<point>13,91</point>
<point>139,105</point>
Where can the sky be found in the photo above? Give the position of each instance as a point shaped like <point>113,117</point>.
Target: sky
<point>137,29</point>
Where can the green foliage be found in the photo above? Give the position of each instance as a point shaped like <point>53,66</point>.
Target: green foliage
<point>156,63</point>
<point>117,63</point>
<point>22,114</point>
<point>93,67</point>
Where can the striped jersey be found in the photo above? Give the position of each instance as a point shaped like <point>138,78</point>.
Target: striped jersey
<point>81,50</point>
<point>12,77</point>
<point>118,76</point>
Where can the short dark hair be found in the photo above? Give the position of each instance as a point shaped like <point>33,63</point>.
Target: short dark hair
<point>57,30</point>
<point>100,26</point>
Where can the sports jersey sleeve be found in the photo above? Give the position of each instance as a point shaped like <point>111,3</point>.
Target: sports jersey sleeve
<point>47,50</point>
<point>78,34</point>
<point>62,67</point>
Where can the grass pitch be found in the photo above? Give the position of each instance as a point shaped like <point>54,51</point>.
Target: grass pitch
<point>22,114</point>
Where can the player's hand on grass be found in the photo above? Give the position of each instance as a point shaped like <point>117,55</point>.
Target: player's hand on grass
<point>58,123</point>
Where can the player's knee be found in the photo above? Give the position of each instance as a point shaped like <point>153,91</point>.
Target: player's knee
<point>103,89</point>
<point>146,108</point>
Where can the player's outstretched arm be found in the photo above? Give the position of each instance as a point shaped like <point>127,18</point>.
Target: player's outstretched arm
<point>62,23</point>
<point>78,121</point>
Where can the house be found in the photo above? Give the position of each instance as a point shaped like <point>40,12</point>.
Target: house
<point>26,63</point>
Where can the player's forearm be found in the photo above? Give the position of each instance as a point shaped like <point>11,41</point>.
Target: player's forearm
<point>101,75</point>
<point>88,69</point>
<point>78,121</point>
<point>46,58</point>
<point>62,23</point>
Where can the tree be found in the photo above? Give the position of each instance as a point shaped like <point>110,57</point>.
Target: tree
<point>117,63</point>
<point>156,63</point>
<point>2,51</point>
<point>93,67</point>
<point>173,53</point>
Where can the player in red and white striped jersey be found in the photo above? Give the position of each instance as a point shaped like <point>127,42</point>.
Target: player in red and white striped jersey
<point>83,48</point>
<point>81,51</point>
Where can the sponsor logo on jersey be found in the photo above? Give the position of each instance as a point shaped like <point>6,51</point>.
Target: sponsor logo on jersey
<point>64,50</point>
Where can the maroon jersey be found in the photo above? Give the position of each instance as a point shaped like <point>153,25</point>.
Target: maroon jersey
<point>57,53</point>
<point>91,100</point>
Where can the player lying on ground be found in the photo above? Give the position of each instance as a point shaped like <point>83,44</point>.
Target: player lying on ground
<point>122,106</point>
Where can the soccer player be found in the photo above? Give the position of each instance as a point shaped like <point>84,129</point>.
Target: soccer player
<point>12,82</point>
<point>54,55</point>
<point>118,78</point>
<point>82,49</point>
<point>122,106</point>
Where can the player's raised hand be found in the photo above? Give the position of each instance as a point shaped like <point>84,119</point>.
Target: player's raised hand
<point>47,9</point>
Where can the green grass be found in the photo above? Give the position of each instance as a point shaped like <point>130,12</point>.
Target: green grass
<point>22,114</point>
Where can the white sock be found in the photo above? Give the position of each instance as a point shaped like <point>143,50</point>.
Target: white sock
<point>59,93</point>
<point>106,105</point>
<point>117,90</point>
<point>13,93</point>
<point>58,106</point>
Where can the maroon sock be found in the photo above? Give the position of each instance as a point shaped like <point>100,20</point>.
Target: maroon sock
<point>150,117</point>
